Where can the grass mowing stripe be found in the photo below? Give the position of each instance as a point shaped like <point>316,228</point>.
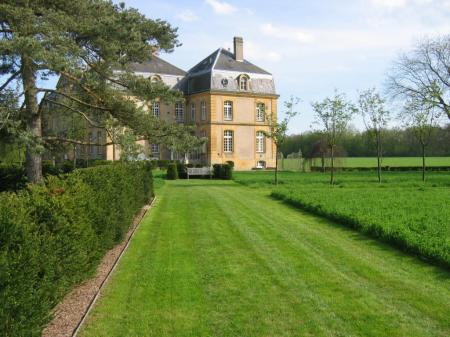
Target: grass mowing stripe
<point>218,259</point>
<point>349,285</point>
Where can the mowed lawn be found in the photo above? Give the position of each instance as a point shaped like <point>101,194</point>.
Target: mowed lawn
<point>215,258</point>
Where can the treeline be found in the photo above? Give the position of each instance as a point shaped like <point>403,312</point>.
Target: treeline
<point>353,143</point>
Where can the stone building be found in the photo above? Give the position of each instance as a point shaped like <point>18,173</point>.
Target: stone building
<point>228,100</point>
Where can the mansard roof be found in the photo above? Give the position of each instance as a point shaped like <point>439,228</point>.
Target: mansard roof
<point>222,59</point>
<point>156,65</point>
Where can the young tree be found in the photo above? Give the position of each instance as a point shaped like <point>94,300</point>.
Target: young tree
<point>423,75</point>
<point>376,117</point>
<point>333,115</point>
<point>423,121</point>
<point>277,130</point>
<point>85,43</point>
<point>184,143</point>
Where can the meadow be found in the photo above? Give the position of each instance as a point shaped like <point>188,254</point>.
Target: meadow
<point>402,210</point>
<point>293,164</point>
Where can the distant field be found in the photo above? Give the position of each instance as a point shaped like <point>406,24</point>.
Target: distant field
<point>295,164</point>
<point>403,211</point>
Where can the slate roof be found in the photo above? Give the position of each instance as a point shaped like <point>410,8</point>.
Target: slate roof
<point>158,66</point>
<point>222,59</point>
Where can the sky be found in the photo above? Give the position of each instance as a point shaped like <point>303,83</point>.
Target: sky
<point>310,47</point>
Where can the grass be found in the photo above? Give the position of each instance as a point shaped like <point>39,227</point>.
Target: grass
<point>219,259</point>
<point>403,211</point>
<point>295,164</point>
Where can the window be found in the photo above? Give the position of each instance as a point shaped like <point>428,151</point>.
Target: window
<point>260,112</point>
<point>155,78</point>
<point>228,141</point>
<point>260,140</point>
<point>99,147</point>
<point>243,82</point>
<point>228,111</point>
<point>155,109</point>
<point>179,113</point>
<point>91,140</point>
<point>193,112</point>
<point>203,110</point>
<point>261,164</point>
<point>155,148</point>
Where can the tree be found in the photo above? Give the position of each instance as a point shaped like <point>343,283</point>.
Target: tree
<point>184,143</point>
<point>423,75</point>
<point>422,120</point>
<point>333,116</point>
<point>376,117</point>
<point>88,45</point>
<point>277,130</point>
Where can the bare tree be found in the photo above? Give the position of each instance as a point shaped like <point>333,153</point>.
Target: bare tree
<point>278,130</point>
<point>424,75</point>
<point>376,117</point>
<point>423,120</point>
<point>333,116</point>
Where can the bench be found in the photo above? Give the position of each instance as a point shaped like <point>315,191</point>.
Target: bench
<point>199,171</point>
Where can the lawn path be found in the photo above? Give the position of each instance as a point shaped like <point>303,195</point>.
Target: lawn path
<point>216,259</point>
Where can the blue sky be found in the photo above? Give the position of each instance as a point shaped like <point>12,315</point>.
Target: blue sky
<point>311,47</point>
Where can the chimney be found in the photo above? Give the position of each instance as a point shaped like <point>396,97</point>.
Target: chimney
<point>238,49</point>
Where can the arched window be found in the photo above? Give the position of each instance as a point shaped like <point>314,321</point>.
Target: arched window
<point>179,112</point>
<point>228,110</point>
<point>155,78</point>
<point>243,82</point>
<point>228,141</point>
<point>260,142</point>
<point>155,109</point>
<point>260,112</point>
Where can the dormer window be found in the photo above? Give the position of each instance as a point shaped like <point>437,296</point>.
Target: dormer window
<point>243,82</point>
<point>155,78</point>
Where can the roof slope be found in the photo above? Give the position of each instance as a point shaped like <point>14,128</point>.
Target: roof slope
<point>158,66</point>
<point>226,61</point>
<point>222,59</point>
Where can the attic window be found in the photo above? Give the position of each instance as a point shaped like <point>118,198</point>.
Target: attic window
<point>155,78</point>
<point>243,82</point>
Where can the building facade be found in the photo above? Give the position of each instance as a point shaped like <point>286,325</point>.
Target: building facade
<point>227,99</point>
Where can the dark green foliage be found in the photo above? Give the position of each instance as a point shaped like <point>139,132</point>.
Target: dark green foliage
<point>172,172</point>
<point>231,163</point>
<point>13,178</point>
<point>182,170</point>
<point>222,171</point>
<point>401,211</point>
<point>54,234</point>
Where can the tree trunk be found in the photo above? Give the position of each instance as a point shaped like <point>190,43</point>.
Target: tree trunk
<point>276,166</point>
<point>379,157</point>
<point>33,161</point>
<point>322,158</point>
<point>332,165</point>
<point>423,163</point>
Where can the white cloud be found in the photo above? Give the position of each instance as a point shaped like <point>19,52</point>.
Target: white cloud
<point>287,33</point>
<point>390,4</point>
<point>221,7</point>
<point>187,16</point>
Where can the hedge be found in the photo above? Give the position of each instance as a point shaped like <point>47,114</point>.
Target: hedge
<point>223,171</point>
<point>172,171</point>
<point>53,235</point>
<point>13,177</point>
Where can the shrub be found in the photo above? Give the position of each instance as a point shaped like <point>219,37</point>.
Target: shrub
<point>172,172</point>
<point>12,178</point>
<point>222,171</point>
<point>231,163</point>
<point>182,170</point>
<point>54,234</point>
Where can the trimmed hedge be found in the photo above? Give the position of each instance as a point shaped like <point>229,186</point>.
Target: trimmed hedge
<point>172,172</point>
<point>13,178</point>
<point>53,235</point>
<point>222,171</point>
